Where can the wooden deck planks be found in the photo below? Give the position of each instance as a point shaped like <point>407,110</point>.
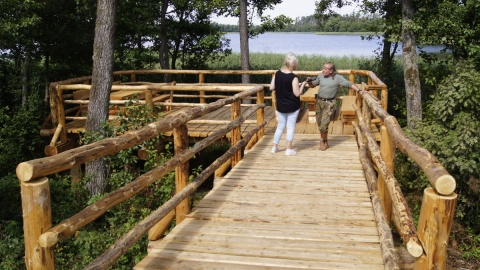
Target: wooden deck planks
<point>309,211</point>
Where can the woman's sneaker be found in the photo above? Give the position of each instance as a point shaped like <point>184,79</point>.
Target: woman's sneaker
<point>290,152</point>
<point>275,149</point>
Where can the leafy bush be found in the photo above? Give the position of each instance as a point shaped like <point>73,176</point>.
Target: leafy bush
<point>11,245</point>
<point>19,134</point>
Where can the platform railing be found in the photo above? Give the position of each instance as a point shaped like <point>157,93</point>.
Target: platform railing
<point>62,91</point>
<point>41,236</point>
<point>428,242</point>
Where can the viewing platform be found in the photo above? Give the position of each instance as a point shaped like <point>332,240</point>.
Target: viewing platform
<point>333,209</point>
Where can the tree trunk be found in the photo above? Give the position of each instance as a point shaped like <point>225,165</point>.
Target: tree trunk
<point>103,47</point>
<point>26,75</point>
<point>410,67</point>
<point>244,47</point>
<point>46,77</point>
<point>387,53</point>
<point>163,51</point>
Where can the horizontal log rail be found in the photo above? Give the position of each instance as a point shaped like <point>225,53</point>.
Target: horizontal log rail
<point>60,96</point>
<point>390,256</point>
<point>109,257</point>
<point>41,236</point>
<point>76,222</point>
<point>29,170</point>
<point>428,243</point>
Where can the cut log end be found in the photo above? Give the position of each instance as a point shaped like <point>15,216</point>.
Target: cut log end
<point>414,248</point>
<point>48,239</point>
<point>50,150</point>
<point>24,171</point>
<point>445,185</point>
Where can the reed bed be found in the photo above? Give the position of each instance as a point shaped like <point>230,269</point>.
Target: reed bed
<point>273,61</point>
<point>260,61</point>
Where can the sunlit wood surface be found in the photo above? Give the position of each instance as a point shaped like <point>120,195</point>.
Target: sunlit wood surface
<point>303,126</point>
<point>271,211</point>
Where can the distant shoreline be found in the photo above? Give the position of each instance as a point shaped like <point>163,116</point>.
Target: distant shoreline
<point>322,33</point>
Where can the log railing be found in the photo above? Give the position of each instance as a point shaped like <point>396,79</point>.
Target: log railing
<point>41,236</point>
<point>428,242</point>
<point>76,91</point>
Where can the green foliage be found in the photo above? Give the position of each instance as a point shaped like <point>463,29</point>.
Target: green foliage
<point>11,245</point>
<point>19,134</point>
<point>452,24</point>
<point>470,246</point>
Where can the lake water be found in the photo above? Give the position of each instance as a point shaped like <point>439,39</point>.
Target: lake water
<point>311,44</point>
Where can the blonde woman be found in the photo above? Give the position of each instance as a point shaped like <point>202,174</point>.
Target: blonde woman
<point>287,90</point>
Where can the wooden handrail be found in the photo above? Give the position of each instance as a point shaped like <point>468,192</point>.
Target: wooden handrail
<point>390,256</point>
<point>90,213</point>
<point>109,257</point>
<point>438,203</point>
<point>29,170</point>
<point>406,225</point>
<point>438,176</point>
<point>35,187</point>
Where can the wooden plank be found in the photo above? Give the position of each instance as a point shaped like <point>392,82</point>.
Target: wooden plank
<point>123,95</point>
<point>309,95</point>
<point>191,260</point>
<point>347,105</point>
<point>271,211</point>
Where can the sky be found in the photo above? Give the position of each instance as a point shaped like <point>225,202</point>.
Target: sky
<point>289,8</point>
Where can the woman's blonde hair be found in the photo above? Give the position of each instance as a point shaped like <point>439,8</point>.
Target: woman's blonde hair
<point>291,61</point>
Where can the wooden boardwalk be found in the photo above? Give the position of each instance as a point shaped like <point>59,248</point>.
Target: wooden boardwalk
<point>309,211</point>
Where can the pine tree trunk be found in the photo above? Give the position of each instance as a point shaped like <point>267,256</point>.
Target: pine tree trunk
<point>410,67</point>
<point>101,84</point>
<point>244,47</point>
<point>163,51</point>
<point>26,75</point>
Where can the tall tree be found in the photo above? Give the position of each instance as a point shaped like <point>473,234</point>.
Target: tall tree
<point>410,67</point>
<point>103,47</point>
<point>245,10</point>
<point>244,48</point>
<point>163,50</point>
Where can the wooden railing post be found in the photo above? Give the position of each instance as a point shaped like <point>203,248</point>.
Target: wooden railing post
<point>260,113</point>
<point>201,79</point>
<point>434,227</point>
<point>384,98</point>
<point>180,138</point>
<point>149,99</point>
<point>351,77</point>
<point>37,218</point>
<point>387,150</point>
<point>61,115</point>
<point>260,119</point>
<point>236,132</point>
